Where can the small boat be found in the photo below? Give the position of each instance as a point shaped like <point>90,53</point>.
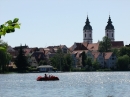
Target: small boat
<point>50,78</point>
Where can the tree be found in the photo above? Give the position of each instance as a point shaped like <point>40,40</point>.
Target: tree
<point>21,61</point>
<point>88,63</point>
<point>116,52</point>
<point>61,61</point>
<point>105,44</point>
<point>42,62</point>
<point>67,63</point>
<point>124,51</point>
<point>4,56</point>
<point>95,65</point>
<point>83,58</point>
<point>7,27</point>
<point>55,61</point>
<point>123,62</point>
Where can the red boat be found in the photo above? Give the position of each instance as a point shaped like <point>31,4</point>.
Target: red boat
<point>50,78</point>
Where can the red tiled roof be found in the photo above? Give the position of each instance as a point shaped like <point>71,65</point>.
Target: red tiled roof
<point>117,44</point>
<point>80,46</point>
<point>85,44</point>
<point>27,51</point>
<point>95,54</point>
<point>93,46</point>
<point>108,55</point>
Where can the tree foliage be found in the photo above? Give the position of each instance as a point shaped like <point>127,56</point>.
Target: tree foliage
<point>21,61</point>
<point>88,63</point>
<point>116,52</point>
<point>123,62</point>
<point>95,65</point>
<point>4,56</point>
<point>84,58</point>
<point>61,61</point>
<point>105,44</point>
<point>9,26</point>
<point>42,62</point>
<point>67,62</point>
<point>124,51</point>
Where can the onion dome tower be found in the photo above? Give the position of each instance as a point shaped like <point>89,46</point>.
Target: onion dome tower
<point>109,30</point>
<point>87,32</point>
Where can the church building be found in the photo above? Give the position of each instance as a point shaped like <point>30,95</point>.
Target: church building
<point>109,32</point>
<point>87,31</point>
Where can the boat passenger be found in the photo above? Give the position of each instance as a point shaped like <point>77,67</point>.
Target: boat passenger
<point>45,76</point>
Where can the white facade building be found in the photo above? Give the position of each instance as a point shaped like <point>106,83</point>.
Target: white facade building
<point>87,32</point>
<point>109,30</point>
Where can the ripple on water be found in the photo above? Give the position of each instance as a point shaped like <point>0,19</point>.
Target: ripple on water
<point>71,84</point>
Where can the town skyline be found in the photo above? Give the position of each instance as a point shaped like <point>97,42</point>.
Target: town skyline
<point>52,23</point>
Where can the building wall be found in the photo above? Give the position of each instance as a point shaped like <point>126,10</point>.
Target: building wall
<point>100,59</point>
<point>111,62</point>
<point>87,36</point>
<point>110,34</point>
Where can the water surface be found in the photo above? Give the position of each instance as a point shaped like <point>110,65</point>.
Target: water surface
<point>71,84</point>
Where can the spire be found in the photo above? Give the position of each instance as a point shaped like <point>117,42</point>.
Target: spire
<point>87,21</point>
<point>87,25</point>
<point>109,24</point>
<point>109,20</point>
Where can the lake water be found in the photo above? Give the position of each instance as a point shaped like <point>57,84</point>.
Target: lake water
<point>71,84</point>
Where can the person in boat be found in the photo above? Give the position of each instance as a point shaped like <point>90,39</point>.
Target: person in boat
<point>45,75</point>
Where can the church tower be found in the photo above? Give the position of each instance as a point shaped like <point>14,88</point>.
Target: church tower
<point>109,30</point>
<point>87,32</point>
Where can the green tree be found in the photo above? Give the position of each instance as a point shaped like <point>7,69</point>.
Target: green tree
<point>7,27</point>
<point>95,65</point>
<point>123,63</point>
<point>4,56</point>
<point>67,63</point>
<point>3,61</point>
<point>55,61</point>
<point>88,62</point>
<point>42,62</point>
<point>124,51</point>
<point>21,61</point>
<point>105,44</point>
<point>61,61</point>
<point>83,59</point>
<point>116,52</point>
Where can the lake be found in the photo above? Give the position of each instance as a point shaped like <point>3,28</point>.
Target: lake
<point>71,84</point>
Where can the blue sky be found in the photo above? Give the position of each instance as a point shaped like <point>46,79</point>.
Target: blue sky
<point>54,22</point>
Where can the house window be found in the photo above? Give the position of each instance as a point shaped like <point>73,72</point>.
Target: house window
<point>112,34</point>
<point>89,35</point>
<point>85,35</point>
<point>107,34</point>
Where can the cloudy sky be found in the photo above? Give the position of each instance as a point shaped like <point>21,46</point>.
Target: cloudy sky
<point>54,22</point>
